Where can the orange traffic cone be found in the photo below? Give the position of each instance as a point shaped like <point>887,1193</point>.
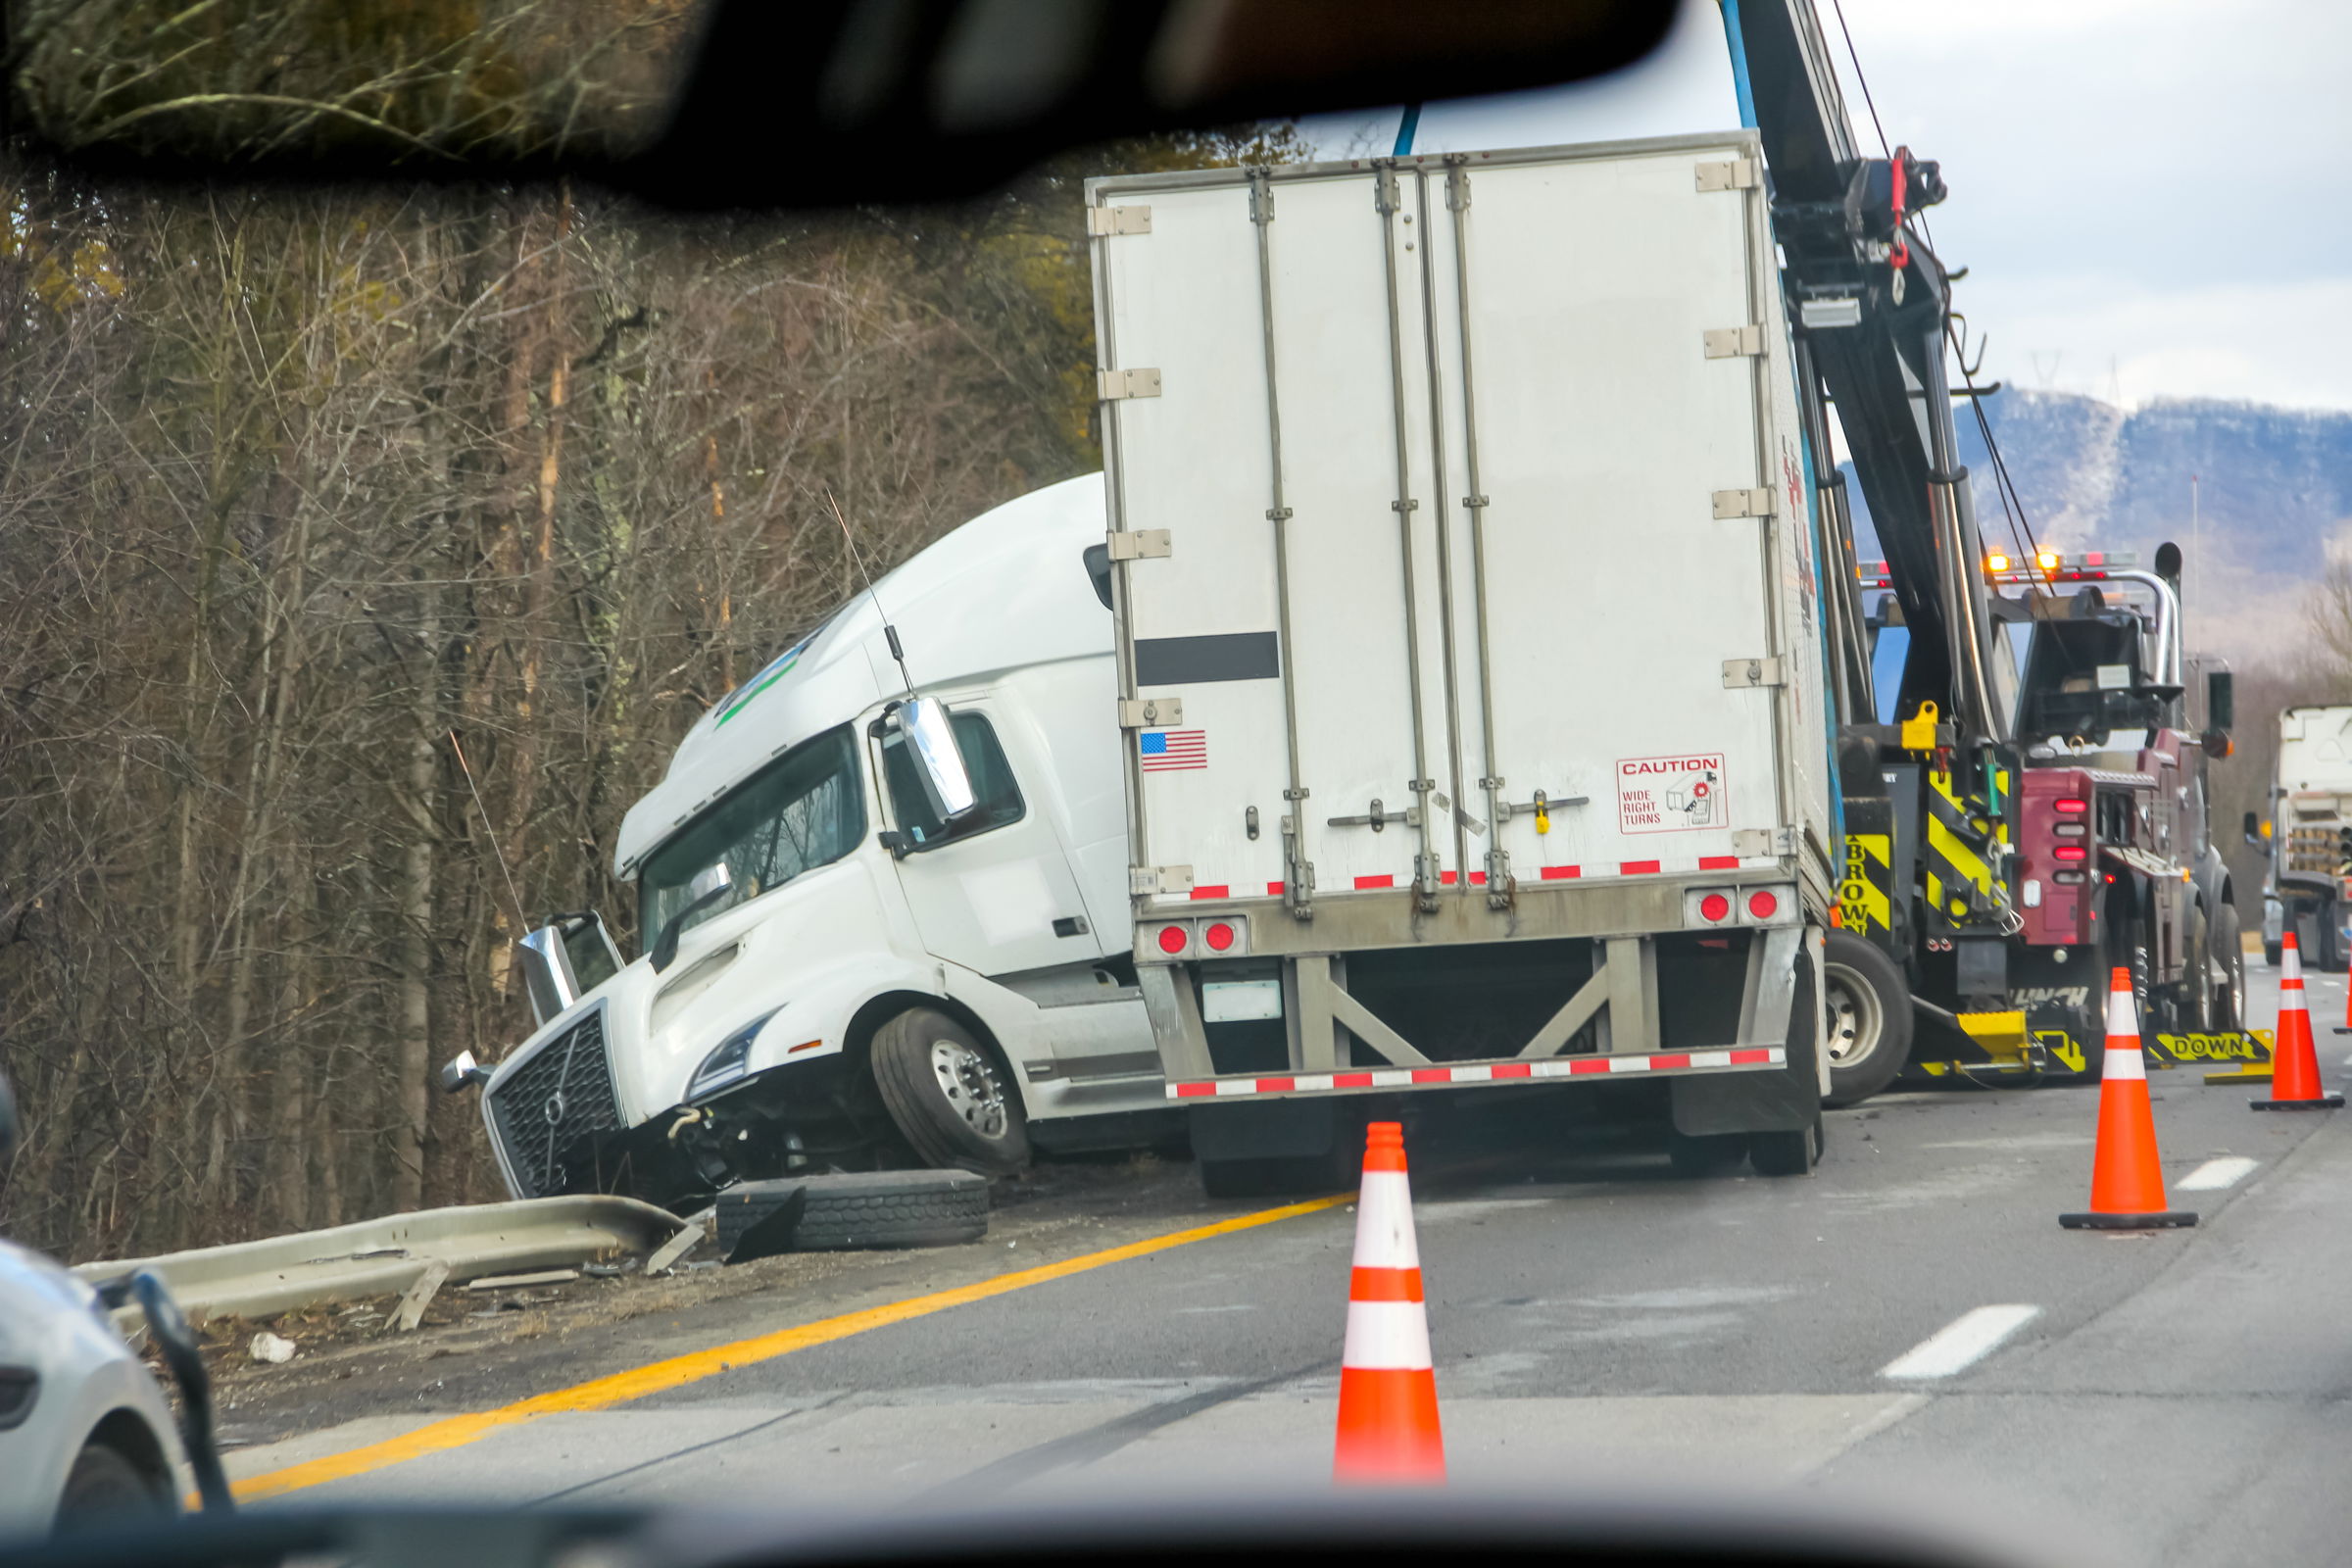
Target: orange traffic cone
<point>1388,1391</point>
<point>2127,1175</point>
<point>2294,1057</point>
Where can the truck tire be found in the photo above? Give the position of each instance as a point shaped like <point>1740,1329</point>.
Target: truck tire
<point>1706,1153</point>
<point>948,1096</point>
<point>105,1487</point>
<point>1793,1153</point>
<point>2192,1012</point>
<point>1786,1153</point>
<point>859,1210</point>
<point>1868,1009</point>
<point>1282,1176</point>
<point>2229,950</point>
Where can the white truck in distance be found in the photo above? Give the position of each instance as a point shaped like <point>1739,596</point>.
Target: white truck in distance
<point>1470,664</point>
<point>837,971</point>
<point>2309,838</point>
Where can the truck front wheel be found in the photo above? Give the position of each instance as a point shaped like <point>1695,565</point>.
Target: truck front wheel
<point>947,1095</point>
<point>1869,1016</point>
<point>2230,948</point>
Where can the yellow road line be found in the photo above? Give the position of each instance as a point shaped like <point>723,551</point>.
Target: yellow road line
<point>639,1382</point>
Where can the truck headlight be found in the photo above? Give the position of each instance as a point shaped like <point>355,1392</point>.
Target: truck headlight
<point>730,1060</point>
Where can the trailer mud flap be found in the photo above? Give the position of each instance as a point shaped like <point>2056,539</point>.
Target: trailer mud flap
<point>1785,1101</point>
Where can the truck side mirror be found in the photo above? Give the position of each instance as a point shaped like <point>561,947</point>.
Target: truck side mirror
<point>565,960</point>
<point>2254,830</point>
<point>11,1131</point>
<point>545,972</point>
<point>2221,699</point>
<point>939,761</point>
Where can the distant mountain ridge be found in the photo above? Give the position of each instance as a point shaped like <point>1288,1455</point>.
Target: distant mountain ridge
<point>2275,497</point>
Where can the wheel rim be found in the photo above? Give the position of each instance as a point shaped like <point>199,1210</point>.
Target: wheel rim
<point>1856,1020</point>
<point>967,1081</point>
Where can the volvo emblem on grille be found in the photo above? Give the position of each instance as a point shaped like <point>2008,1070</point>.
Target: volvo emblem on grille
<point>553,1111</point>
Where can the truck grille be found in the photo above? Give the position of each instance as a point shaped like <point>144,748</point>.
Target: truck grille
<point>555,1110</point>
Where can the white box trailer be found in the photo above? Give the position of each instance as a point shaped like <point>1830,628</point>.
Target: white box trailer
<point>1470,655</point>
<point>2306,834</point>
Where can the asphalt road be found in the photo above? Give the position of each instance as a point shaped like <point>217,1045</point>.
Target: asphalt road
<point>1908,1328</point>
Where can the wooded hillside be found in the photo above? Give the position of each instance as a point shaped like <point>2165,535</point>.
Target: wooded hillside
<point>304,495</point>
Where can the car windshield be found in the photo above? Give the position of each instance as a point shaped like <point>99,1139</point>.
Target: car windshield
<point>803,810</point>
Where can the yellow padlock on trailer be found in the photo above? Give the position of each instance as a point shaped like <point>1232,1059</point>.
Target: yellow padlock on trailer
<point>1918,731</point>
<point>1542,814</point>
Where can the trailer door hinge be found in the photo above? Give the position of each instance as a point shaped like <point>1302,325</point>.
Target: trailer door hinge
<point>1103,221</point>
<point>1740,673</point>
<point>1143,879</point>
<point>1744,504</point>
<point>1754,842</point>
<point>1732,342</point>
<point>1112,385</point>
<point>1739,174</point>
<point>1138,544</point>
<point>1147,713</point>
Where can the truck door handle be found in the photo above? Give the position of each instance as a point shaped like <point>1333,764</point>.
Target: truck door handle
<point>1071,925</point>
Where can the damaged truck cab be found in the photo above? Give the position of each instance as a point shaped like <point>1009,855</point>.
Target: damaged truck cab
<point>843,967</point>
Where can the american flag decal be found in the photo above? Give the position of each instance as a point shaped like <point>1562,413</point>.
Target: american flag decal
<point>1169,751</point>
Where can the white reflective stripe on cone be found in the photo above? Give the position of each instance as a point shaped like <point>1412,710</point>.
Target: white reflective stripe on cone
<point>1387,1337</point>
<point>1384,1223</point>
<point>2290,963</point>
<point>2123,1019</point>
<point>2123,1064</point>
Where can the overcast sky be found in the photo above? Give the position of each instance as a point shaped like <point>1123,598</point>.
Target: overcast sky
<point>2144,191</point>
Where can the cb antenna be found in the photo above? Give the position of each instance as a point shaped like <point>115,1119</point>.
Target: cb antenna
<point>889,631</point>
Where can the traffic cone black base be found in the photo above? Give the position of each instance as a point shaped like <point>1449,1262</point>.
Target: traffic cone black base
<point>2323,1102</point>
<point>2163,1220</point>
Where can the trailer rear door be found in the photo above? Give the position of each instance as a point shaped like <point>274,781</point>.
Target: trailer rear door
<point>1474,487</point>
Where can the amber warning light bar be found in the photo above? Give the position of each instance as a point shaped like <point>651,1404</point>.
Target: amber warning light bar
<point>2092,566</point>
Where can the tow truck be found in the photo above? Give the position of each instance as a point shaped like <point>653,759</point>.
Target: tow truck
<point>2014,826</point>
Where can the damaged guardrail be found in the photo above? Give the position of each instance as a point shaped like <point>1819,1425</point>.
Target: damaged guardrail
<point>392,1256</point>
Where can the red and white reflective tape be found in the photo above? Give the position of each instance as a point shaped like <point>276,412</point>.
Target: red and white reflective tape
<point>1542,873</point>
<point>1308,1083</point>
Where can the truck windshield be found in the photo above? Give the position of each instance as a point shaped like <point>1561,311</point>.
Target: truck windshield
<point>800,811</point>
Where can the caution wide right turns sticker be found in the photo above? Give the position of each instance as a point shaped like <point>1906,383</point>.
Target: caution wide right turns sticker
<point>1678,794</point>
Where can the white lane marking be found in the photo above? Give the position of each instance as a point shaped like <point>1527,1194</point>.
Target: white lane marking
<point>1960,1344</point>
<point>2216,1174</point>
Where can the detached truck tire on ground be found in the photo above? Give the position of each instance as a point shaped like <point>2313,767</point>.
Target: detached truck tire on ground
<point>1469,656</point>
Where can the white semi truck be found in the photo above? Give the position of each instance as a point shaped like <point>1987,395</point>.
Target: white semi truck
<point>1470,665</point>
<point>2307,834</point>
<point>846,963</point>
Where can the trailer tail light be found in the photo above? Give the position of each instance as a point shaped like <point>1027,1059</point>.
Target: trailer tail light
<point>2069,854</point>
<point>2070,806</point>
<point>1174,939</point>
<point>1714,907</point>
<point>1763,904</point>
<point>2071,830</point>
<point>2066,879</point>
<point>1219,936</point>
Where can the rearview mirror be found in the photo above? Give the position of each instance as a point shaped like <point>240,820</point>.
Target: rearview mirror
<point>939,761</point>
<point>2254,830</point>
<point>10,1133</point>
<point>2221,699</point>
